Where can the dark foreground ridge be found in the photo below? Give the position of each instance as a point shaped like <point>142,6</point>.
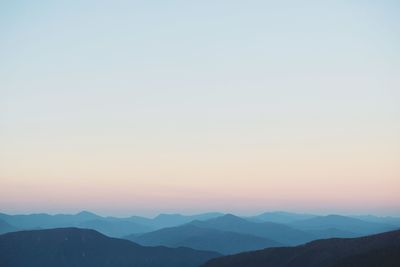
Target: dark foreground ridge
<point>66,247</point>
<point>381,250</point>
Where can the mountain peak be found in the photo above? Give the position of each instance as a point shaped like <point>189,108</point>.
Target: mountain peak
<point>168,215</point>
<point>336,217</point>
<point>229,216</point>
<point>87,214</point>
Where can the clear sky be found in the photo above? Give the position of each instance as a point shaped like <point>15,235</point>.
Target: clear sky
<point>124,107</point>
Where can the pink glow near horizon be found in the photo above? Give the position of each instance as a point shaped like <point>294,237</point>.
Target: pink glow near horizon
<point>200,106</point>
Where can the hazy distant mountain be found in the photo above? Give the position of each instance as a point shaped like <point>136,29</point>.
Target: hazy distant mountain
<point>42,220</point>
<point>342,223</point>
<point>292,233</point>
<point>281,217</point>
<point>136,219</point>
<point>6,227</point>
<point>382,249</point>
<point>331,232</point>
<point>67,247</point>
<point>170,220</point>
<point>167,220</point>
<point>115,228</point>
<point>385,220</point>
<point>203,239</point>
<point>111,226</point>
<point>273,231</point>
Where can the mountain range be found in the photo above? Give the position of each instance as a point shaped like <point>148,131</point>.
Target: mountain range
<point>195,237</point>
<point>210,231</point>
<point>341,223</point>
<point>280,233</point>
<point>381,250</point>
<point>66,247</point>
<point>229,234</point>
<point>58,242</point>
<point>111,226</point>
<point>281,217</point>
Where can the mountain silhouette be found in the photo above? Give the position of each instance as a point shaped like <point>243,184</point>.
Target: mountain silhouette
<point>280,233</point>
<point>114,227</point>
<point>66,247</point>
<point>387,257</point>
<point>170,220</point>
<point>386,219</point>
<point>111,226</point>
<point>331,233</point>
<point>195,237</point>
<point>281,217</point>
<point>343,223</point>
<point>6,227</point>
<point>43,220</point>
<point>338,252</point>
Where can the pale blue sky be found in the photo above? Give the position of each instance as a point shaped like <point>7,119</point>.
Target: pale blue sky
<point>149,92</point>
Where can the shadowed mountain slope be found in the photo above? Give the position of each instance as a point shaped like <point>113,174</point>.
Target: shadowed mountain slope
<point>170,220</point>
<point>111,226</point>
<point>203,239</point>
<point>278,232</point>
<point>387,257</point>
<point>281,217</point>
<point>331,233</point>
<point>115,228</point>
<point>6,227</point>
<point>65,247</point>
<point>338,252</point>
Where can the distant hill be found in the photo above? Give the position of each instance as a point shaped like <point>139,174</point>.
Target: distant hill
<point>170,220</point>
<point>195,237</point>
<point>43,220</point>
<point>66,247</point>
<point>111,226</point>
<point>381,250</point>
<point>385,220</point>
<point>6,227</point>
<point>292,233</point>
<point>115,228</point>
<point>273,231</point>
<point>342,223</point>
<point>281,217</point>
<point>331,233</point>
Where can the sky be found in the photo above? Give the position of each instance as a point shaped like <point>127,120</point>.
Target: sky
<point>141,107</point>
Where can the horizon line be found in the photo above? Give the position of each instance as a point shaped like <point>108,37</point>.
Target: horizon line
<point>238,214</point>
